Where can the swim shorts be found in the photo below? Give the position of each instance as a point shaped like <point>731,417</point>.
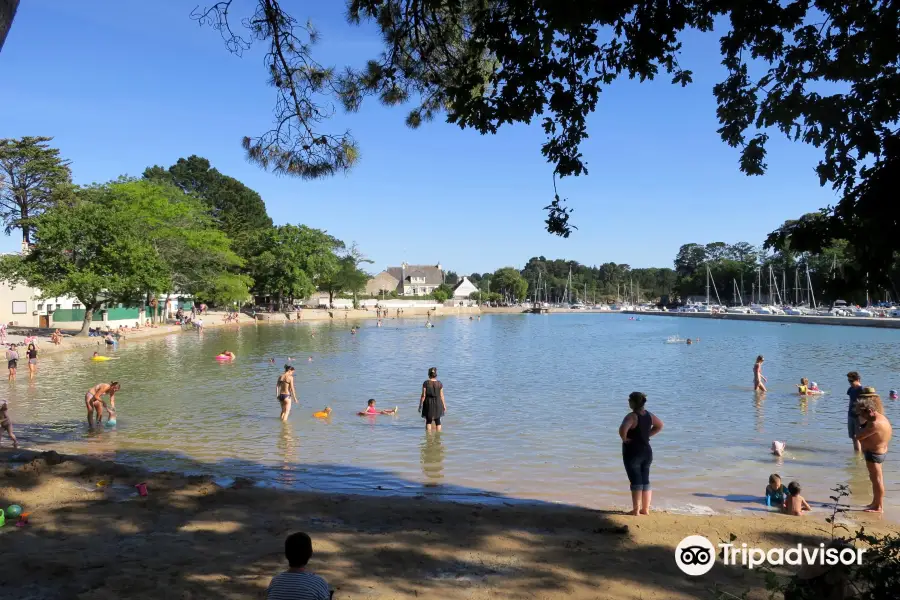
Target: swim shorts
<point>12,364</point>
<point>874,458</point>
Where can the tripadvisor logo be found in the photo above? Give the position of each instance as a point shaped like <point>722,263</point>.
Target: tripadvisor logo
<point>695,555</point>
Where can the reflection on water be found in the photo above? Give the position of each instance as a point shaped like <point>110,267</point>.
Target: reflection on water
<point>432,449</point>
<point>534,404</point>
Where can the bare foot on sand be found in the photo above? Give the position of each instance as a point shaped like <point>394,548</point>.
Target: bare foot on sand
<point>873,509</point>
<point>645,512</point>
<point>633,513</point>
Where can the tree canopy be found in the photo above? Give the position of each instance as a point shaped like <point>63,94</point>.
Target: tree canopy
<point>31,174</point>
<point>239,211</point>
<point>822,73</point>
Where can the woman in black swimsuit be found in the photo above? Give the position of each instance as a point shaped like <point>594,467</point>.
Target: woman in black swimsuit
<point>431,403</point>
<point>636,430</point>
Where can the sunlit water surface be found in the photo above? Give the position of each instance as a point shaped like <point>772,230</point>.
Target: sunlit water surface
<point>534,403</point>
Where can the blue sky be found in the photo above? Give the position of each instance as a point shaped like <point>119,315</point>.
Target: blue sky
<point>124,85</point>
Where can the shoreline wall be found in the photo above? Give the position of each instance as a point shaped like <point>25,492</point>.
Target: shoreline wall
<point>878,322</point>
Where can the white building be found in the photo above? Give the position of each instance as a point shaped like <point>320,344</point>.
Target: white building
<point>464,289</point>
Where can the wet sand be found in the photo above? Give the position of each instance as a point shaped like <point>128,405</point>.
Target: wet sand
<point>190,538</point>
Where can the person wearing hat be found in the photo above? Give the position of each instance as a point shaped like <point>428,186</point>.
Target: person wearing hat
<point>893,395</point>
<point>874,435</point>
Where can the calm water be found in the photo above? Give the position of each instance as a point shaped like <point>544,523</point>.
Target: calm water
<point>534,403</point>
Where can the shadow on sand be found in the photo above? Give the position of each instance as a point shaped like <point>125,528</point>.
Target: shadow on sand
<point>91,536</point>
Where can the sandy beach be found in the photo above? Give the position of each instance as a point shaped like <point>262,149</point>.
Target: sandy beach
<point>92,537</point>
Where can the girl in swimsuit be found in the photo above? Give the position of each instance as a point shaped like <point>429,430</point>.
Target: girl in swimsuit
<point>32,360</point>
<point>93,401</point>
<point>12,361</point>
<point>371,410</point>
<point>758,378</point>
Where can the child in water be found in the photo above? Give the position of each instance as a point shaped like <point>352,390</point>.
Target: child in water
<point>796,503</point>
<point>323,414</point>
<point>803,387</point>
<point>6,424</point>
<point>893,395</point>
<point>371,410</point>
<point>776,492</point>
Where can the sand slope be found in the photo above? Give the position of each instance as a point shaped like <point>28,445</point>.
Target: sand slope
<point>191,539</point>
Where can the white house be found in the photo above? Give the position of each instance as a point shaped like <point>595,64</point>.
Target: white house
<point>464,289</point>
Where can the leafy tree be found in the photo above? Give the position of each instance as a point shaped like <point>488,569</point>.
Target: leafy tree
<point>197,255</point>
<point>350,278</point>
<point>442,293</point>
<point>451,278</point>
<point>290,262</point>
<point>508,281</point>
<point>90,248</point>
<point>31,173</point>
<point>239,211</point>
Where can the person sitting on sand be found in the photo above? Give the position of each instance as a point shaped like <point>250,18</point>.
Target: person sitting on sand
<point>776,491</point>
<point>371,410</point>
<point>297,582</point>
<point>795,504</point>
<point>323,414</point>
<point>93,401</point>
<point>6,424</point>
<point>874,435</point>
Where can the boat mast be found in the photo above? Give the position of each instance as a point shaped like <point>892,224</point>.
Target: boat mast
<point>812,297</point>
<point>707,286</point>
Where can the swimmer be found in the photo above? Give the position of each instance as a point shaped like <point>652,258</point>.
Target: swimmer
<point>803,387</point>
<point>271,361</point>
<point>93,401</point>
<point>689,342</point>
<point>893,395</point>
<point>323,414</point>
<point>290,359</point>
<point>228,354</point>
<point>285,392</point>
<point>813,388</point>
<point>309,359</point>
<point>371,410</point>
<point>778,448</point>
<point>97,356</point>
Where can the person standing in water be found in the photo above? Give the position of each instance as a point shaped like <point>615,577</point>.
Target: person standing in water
<point>12,361</point>
<point>874,434</point>
<point>32,360</point>
<point>636,429</point>
<point>284,390</point>
<point>93,401</point>
<point>432,404</point>
<point>759,380</point>
<point>853,393</point>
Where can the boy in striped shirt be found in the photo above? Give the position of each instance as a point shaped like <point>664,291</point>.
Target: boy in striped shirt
<point>296,583</point>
